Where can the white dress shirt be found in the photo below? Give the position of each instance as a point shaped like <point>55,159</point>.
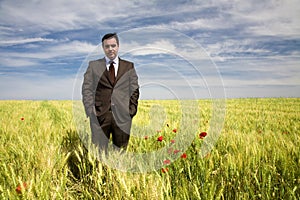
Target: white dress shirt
<point>116,64</point>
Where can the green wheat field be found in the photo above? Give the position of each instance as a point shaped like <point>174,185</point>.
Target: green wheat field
<point>257,155</point>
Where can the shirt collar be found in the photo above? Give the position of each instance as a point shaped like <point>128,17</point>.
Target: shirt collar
<point>116,60</point>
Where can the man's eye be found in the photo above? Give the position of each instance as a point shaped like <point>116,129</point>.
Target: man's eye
<point>112,46</point>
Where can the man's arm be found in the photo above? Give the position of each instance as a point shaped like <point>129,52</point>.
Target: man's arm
<point>88,91</point>
<point>134,91</point>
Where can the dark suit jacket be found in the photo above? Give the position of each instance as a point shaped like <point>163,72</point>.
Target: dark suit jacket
<point>99,94</point>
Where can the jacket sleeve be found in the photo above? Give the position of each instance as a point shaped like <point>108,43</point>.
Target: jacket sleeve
<point>88,91</point>
<point>134,93</point>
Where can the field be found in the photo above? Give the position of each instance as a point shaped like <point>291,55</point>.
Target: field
<point>256,156</point>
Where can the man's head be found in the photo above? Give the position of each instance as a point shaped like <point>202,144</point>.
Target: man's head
<point>110,45</point>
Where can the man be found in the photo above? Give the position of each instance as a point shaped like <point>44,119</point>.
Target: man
<point>110,93</point>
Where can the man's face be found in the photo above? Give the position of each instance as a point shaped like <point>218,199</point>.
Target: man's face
<point>110,48</point>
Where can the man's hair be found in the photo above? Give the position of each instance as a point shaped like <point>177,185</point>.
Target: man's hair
<point>110,35</point>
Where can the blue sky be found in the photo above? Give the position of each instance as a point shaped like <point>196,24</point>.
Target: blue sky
<point>181,49</point>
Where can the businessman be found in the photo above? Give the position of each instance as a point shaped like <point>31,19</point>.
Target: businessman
<point>110,93</point>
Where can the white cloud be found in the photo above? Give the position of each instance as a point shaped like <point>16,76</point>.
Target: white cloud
<point>42,52</point>
<point>23,41</point>
<point>60,15</point>
<point>263,17</point>
<point>71,48</point>
<point>167,42</point>
<point>36,87</point>
<point>16,61</point>
<point>224,49</point>
<point>271,18</point>
<point>202,23</point>
<point>229,29</point>
<point>275,17</point>
<point>162,46</point>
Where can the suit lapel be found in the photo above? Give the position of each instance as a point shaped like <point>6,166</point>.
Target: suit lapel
<point>102,71</point>
<point>121,69</point>
<point>100,67</point>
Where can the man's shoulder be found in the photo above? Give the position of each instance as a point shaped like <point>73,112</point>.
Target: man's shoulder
<point>125,61</point>
<point>97,61</point>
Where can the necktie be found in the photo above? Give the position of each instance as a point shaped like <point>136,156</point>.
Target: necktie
<point>112,72</point>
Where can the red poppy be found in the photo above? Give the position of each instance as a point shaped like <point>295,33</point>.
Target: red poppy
<point>176,151</point>
<point>172,141</point>
<point>164,170</point>
<point>202,135</point>
<point>170,150</point>
<point>183,155</point>
<point>146,137</point>
<point>167,162</point>
<point>22,118</point>
<point>174,130</point>
<point>160,138</point>
<point>21,187</point>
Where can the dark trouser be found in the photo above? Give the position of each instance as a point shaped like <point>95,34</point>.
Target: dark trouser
<point>101,134</point>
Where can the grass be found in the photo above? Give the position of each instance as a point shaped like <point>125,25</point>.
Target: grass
<point>257,155</point>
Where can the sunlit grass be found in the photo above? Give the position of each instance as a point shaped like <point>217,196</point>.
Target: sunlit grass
<point>256,157</point>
